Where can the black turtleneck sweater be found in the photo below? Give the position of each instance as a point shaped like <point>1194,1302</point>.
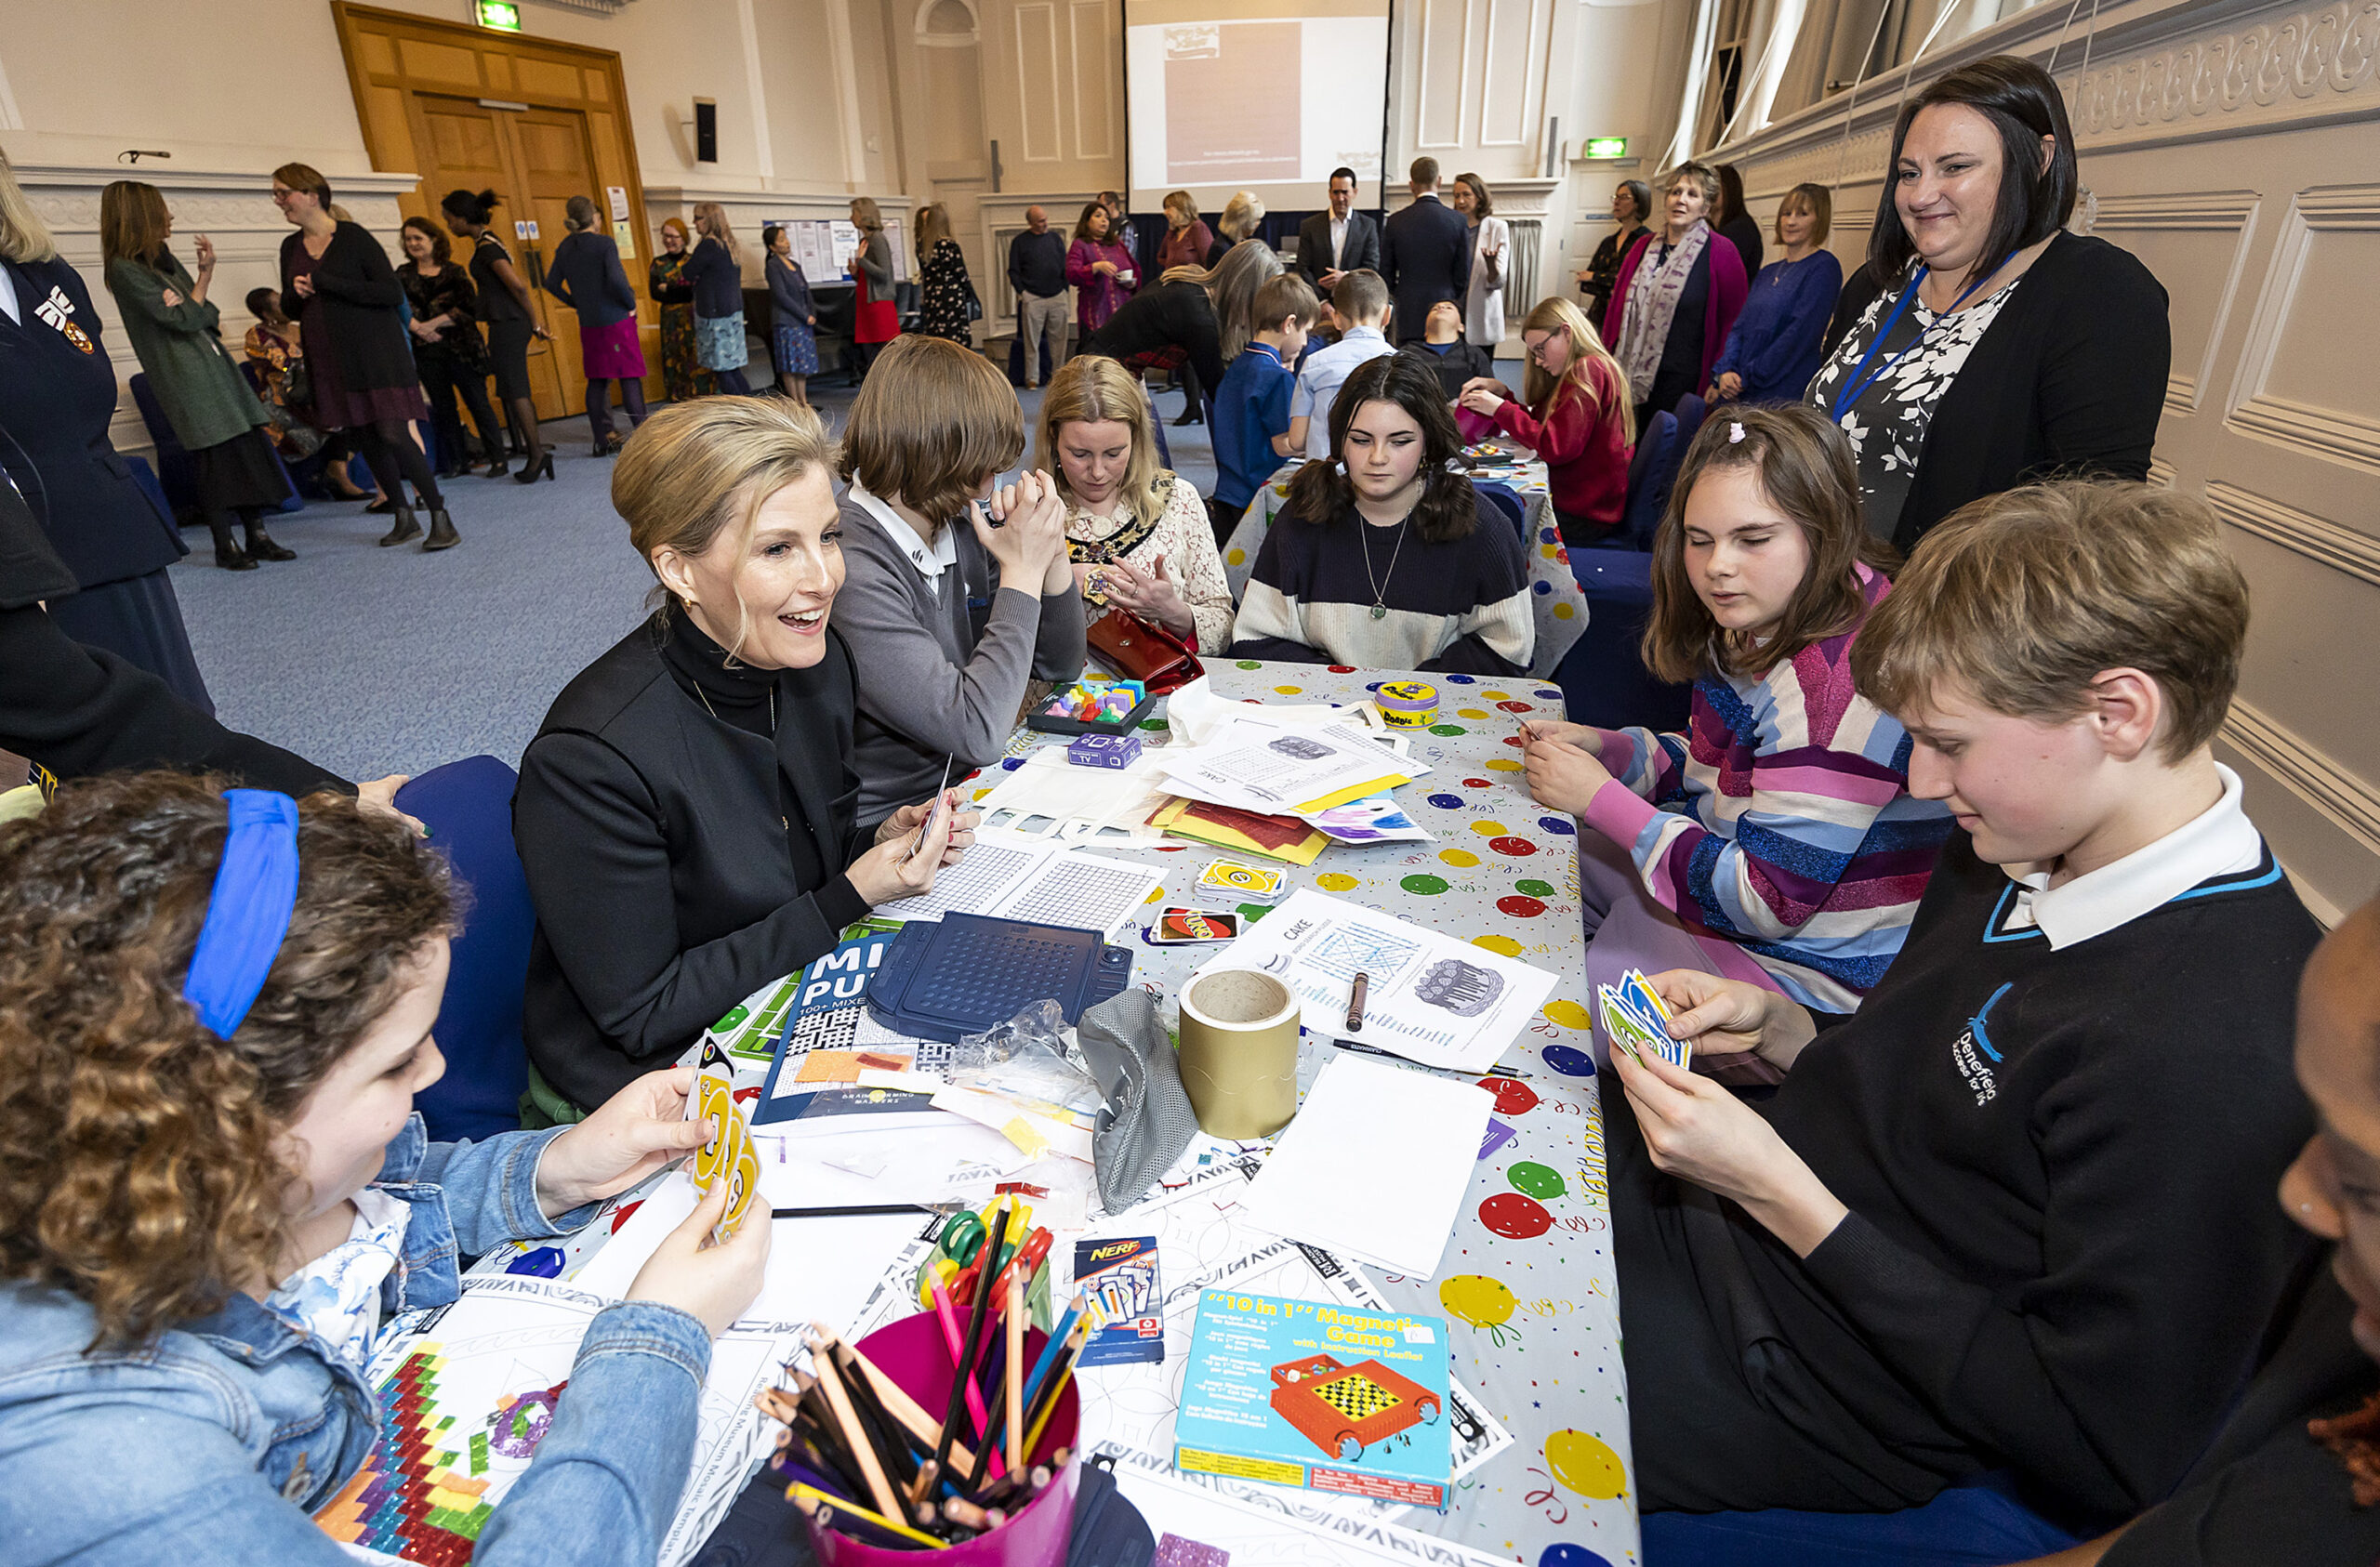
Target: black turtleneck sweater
<point>684,845</point>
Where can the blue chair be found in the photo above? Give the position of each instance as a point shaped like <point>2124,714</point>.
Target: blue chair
<point>1156,428</point>
<point>175,472</point>
<point>1691,410</point>
<point>1976,1523</point>
<point>1508,501</point>
<point>1651,471</point>
<point>468,806</point>
<point>1603,677</point>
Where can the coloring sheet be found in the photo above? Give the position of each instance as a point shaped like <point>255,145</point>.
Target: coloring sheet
<point>468,1389</point>
<point>1430,998</point>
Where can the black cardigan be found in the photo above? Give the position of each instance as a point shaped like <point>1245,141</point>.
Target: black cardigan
<point>361,298</point>
<point>1171,315</point>
<point>654,837</point>
<point>2069,380</point>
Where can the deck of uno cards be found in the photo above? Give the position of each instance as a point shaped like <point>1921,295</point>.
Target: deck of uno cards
<point>729,1155</point>
<point>1176,926</point>
<point>1633,1014</point>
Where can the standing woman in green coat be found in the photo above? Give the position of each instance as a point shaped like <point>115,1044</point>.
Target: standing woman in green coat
<point>171,325</point>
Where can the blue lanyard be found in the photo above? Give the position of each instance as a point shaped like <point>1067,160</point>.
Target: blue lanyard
<point>1861,378</point>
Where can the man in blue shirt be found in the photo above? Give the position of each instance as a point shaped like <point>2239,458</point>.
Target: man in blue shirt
<point>1252,404</point>
<point>1361,304</point>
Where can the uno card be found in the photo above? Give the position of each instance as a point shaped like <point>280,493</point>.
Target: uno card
<point>729,1155</point>
<point>1638,991</point>
<point>1178,925</point>
<point>1246,883</point>
<point>743,1186</point>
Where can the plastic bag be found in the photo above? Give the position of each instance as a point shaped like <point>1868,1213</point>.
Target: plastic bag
<point>1025,1058</point>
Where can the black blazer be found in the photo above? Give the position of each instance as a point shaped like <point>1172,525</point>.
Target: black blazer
<point>57,392</point>
<point>1425,255</point>
<point>1314,245</point>
<point>587,275</point>
<point>2070,379</point>
<point>360,295</point>
<point>655,840</point>
<point>1171,315</point>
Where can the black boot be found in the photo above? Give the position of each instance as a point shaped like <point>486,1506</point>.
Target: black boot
<point>405,529</point>
<point>231,558</point>
<point>442,531</point>
<point>264,547</point>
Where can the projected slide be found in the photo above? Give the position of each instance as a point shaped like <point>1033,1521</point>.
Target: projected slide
<point>1228,95</point>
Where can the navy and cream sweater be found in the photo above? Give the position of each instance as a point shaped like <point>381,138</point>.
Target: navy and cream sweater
<point>1462,606</point>
<point>2062,1243</point>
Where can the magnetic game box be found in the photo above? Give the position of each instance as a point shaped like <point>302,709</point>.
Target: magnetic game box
<point>1319,1395</point>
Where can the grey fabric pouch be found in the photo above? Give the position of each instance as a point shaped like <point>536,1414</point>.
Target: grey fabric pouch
<point>1147,1120</point>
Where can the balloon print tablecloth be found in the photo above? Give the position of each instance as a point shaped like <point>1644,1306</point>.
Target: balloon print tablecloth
<point>1555,594</point>
<point>1527,1281</point>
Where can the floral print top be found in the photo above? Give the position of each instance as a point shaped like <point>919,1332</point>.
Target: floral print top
<point>1887,422</point>
<point>1183,535</point>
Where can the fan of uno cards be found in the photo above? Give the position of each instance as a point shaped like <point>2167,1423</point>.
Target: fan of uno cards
<point>1634,1016</point>
<point>729,1155</point>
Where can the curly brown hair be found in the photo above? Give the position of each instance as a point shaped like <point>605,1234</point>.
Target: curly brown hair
<point>141,1163</point>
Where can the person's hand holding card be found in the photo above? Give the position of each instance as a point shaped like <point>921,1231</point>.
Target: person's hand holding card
<point>633,1134</point>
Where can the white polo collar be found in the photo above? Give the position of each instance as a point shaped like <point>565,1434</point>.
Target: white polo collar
<point>931,559</point>
<point>2219,841</point>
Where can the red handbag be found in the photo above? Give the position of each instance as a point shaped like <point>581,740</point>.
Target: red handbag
<point>1138,651</point>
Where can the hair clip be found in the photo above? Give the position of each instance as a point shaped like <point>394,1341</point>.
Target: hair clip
<point>1734,432</point>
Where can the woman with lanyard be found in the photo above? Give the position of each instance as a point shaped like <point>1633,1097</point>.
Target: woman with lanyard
<point>1987,347</point>
<point>1676,298</point>
<point>58,393</point>
<point>504,305</point>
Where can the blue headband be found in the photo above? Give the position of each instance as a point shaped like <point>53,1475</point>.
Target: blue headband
<point>248,916</point>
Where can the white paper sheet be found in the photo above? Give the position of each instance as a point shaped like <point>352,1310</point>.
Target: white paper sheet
<point>1050,797</point>
<point>1375,1166</point>
<point>953,1163</point>
<point>1277,769</point>
<point>1430,998</point>
<point>1196,714</point>
<point>1034,880</point>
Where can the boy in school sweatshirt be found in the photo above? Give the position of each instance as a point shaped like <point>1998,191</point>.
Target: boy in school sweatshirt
<point>1970,1230</point>
<point>1252,406</point>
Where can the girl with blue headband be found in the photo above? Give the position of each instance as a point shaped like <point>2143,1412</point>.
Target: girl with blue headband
<point>214,1011</point>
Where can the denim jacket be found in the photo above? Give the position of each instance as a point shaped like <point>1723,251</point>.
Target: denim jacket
<point>212,1444</point>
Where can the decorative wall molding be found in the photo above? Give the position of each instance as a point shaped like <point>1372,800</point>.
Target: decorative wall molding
<point>2332,434</point>
<point>2317,538</point>
<point>2310,57</point>
<point>2345,799</point>
<point>2231,212</point>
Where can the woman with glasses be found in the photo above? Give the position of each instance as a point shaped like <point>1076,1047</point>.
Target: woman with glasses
<point>1576,418</point>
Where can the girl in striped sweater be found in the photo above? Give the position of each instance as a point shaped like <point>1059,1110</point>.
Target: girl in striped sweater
<point>1776,840</point>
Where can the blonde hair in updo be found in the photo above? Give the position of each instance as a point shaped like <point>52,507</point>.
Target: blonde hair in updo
<point>695,473</point>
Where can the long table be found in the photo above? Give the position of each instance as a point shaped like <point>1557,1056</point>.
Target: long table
<point>1527,1281</point>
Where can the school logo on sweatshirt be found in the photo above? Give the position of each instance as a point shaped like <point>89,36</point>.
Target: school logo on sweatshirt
<point>1973,1054</point>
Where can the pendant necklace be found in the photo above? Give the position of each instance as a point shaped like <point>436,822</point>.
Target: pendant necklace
<point>1379,586</point>
<point>705,698</point>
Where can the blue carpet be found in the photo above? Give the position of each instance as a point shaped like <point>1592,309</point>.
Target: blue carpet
<point>372,661</point>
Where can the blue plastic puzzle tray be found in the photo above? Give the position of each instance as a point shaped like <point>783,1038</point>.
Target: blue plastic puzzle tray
<point>958,975</point>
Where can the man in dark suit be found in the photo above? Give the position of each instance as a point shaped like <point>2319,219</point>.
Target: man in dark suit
<point>1340,241</point>
<point>1425,253</point>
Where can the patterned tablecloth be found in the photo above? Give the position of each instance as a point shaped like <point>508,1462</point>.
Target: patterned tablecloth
<point>1527,1281</point>
<point>1561,607</point>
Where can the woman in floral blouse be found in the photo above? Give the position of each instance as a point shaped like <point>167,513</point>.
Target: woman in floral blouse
<point>1138,534</point>
<point>942,277</point>
<point>674,292</point>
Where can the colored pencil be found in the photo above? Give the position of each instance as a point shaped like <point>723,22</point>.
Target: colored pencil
<point>827,1499</point>
<point>1013,1374</point>
<point>962,1365</point>
<point>950,1336</point>
<point>897,1402</point>
<point>856,1437</point>
<point>1055,1390</point>
<point>1058,1337</point>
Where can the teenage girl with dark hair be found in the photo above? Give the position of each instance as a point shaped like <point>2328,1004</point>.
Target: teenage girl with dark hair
<point>1386,558</point>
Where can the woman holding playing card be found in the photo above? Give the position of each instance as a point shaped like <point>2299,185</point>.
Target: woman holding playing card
<point>1775,840</point>
<point>686,815</point>
<point>232,1198</point>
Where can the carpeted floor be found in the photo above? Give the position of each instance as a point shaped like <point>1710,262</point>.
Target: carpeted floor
<point>372,661</point>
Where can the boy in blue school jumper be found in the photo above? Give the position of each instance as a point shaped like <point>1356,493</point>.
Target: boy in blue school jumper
<point>1252,404</point>
<point>1971,1231</point>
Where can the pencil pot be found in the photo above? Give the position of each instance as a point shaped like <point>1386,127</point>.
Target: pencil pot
<point>911,1352</point>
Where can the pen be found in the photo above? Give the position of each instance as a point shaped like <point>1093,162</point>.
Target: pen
<point>1355,1003</point>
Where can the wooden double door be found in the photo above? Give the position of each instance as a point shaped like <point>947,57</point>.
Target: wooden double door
<point>535,160</point>
<point>535,120</point>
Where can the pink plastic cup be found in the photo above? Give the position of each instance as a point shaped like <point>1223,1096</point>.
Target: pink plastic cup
<point>911,1351</point>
